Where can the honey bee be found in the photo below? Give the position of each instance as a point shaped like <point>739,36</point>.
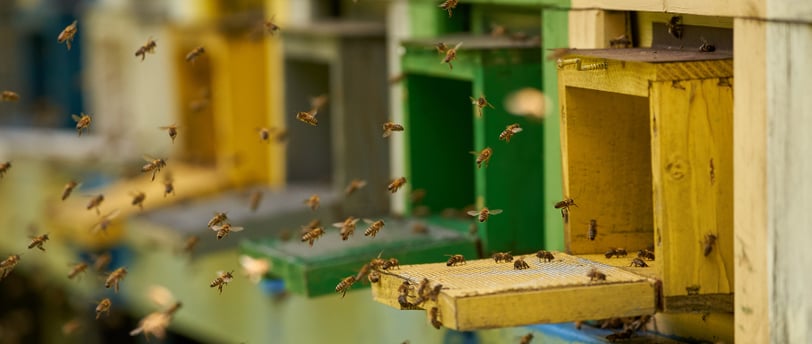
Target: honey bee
<point>190,244</point>
<point>169,186</point>
<point>224,229</point>
<point>435,312</point>
<point>616,252</point>
<point>102,261</point>
<point>621,41</point>
<point>222,280</point>
<point>138,199</point>
<point>374,277</point>
<point>507,134</point>
<point>354,185</point>
<point>8,264</point>
<point>449,5</point>
<point>264,134</point>
<point>592,232</point>
<point>502,257</point>
<point>255,199</point>
<point>618,336</point>
<point>455,259</point>
<point>565,205</point>
<point>77,269</point>
<point>420,228</point>
<point>706,47</point>
<point>390,263</point>
<point>218,218</point>
<point>95,202</point>
<point>103,307</point>
<point>645,254</point>
<point>67,34</point>
<point>173,131</point>
<point>638,263</point>
<point>526,339</point>
<point>345,285</point>
<point>545,256</point>
<point>149,47</point>
<point>271,27</point>
<point>195,53</point>
<point>483,157</point>
<point>389,127</point>
<point>365,269</point>
<point>4,167</point>
<point>435,292</point>
<point>675,27</point>
<point>9,96</point>
<point>82,123</point>
<point>377,262</point>
<point>314,223</point>
<point>38,241</point>
<point>312,235</point>
<point>451,54</point>
<point>520,264</point>
<point>565,214</point>
<point>710,240</point>
<point>396,184</point>
<point>153,165</point>
<point>313,202</point>
<point>595,275</point>
<point>308,117</point>
<point>115,277</point>
<point>481,103</point>
<point>69,188</point>
<point>374,227</point>
<point>347,227</point>
<point>484,213</point>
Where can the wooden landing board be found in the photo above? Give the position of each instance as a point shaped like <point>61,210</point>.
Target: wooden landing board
<point>485,294</point>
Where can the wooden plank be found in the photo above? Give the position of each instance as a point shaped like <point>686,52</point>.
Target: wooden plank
<point>592,29</point>
<point>726,8</point>
<point>617,77</point>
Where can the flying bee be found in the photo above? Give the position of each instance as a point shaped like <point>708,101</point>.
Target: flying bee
<point>365,269</point>
<point>449,5</point>
<point>149,47</point>
<point>545,256</point>
<point>441,47</point>
<point>138,199</point>
<point>224,229</point>
<point>451,54</point>
<point>82,123</point>
<point>255,199</point>
<point>481,103</point>
<point>396,184</point>
<point>103,307</point>
<point>271,27</point>
<point>592,231</point>
<point>565,205</point>
<point>455,259</point>
<point>484,213</point>
<point>115,277</point>
<point>390,263</point>
<point>354,185</point>
<point>435,312</point>
<point>195,53</point>
<point>483,157</point>
<point>347,227</point>
<point>520,264</point>
<point>8,264</point>
<point>173,131</point>
<point>374,277</point>
<point>308,117</point>
<point>675,27</point>
<point>638,263</point>
<point>710,240</point>
<point>526,339</point>
<point>218,218</point>
<point>565,214</point>
<point>313,202</point>
<point>502,257</point>
<point>9,96</point>
<point>169,186</point>
<point>67,34</point>
<point>374,227</point>
<point>190,244</point>
<point>69,188</point>
<point>77,269</point>
<point>507,134</point>
<point>101,262</point>
<point>314,223</point>
<point>222,280</point>
<point>38,241</point>
<point>595,275</point>
<point>95,202</point>
<point>345,285</point>
<point>312,235</point>
<point>389,127</point>
<point>645,254</point>
<point>153,165</point>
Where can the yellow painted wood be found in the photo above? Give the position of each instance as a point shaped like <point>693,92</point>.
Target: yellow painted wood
<point>594,28</point>
<point>699,7</point>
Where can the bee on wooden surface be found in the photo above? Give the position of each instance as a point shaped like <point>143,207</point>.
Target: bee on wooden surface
<point>190,244</point>
<point>451,55</point>
<point>638,263</point>
<point>374,277</point>
<point>38,241</point>
<point>313,202</point>
<point>103,307</point>
<point>218,218</point>
<point>526,339</point>
<point>441,47</point>
<point>224,229</point>
<point>195,53</point>
<point>169,186</point>
<point>389,127</point>
<point>101,261</point>
<point>502,257</point>
<point>545,256</point>
<point>675,27</point>
<point>621,42</point>
<point>77,269</point>
<point>149,47</point>
<point>345,285</point>
<point>377,262</point>
<point>347,227</point>
<point>354,185</point>
<point>69,188</point>
<point>255,199</point>
<point>435,292</point>
<point>374,227</point>
<point>138,199</point>
<point>66,36</point>
<point>420,228</point>
<point>312,235</point>
<point>507,134</point>
<point>172,130</point>
<point>595,275</point>
<point>9,96</point>
<point>615,252</point>
<point>481,103</point>
<point>8,264</point>
<point>484,213</point>
<point>271,27</point>
<point>95,202</point>
<point>114,278</point>
<point>435,317</point>
<point>396,184</point>
<point>520,264</point>
<point>449,5</point>
<point>483,157</point>
<point>592,231</point>
<point>308,117</point>
<point>82,123</point>
<point>706,47</point>
<point>710,240</point>
<point>153,165</point>
<point>222,280</point>
<point>455,259</point>
<point>645,254</point>
<point>264,134</point>
<point>390,263</point>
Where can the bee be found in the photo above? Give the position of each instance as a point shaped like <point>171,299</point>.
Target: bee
<point>595,275</point>
<point>77,269</point>
<point>190,244</point>
<point>455,259</point>
<point>308,117</point>
<point>374,227</point>
<point>502,257</point>
<point>313,202</point>
<point>95,202</point>
<point>675,27</point>
<point>9,96</point>
<point>195,53</point>
<point>565,205</point>
<point>218,218</point>
<point>451,54</point>
<point>169,186</point>
<point>435,292</point>
<point>592,232</point>
<point>507,134</point>
<point>616,252</point>
<point>8,264</point>
<point>448,5</point>
<point>103,307</point>
<point>420,228</point>
<point>347,227</point>
<point>71,327</point>
<point>710,240</point>
<point>153,165</point>
<point>354,185</point>
<point>312,235</point>
<point>545,256</point>
<point>173,131</point>
<point>102,261</point>
<point>520,264</point>
<point>82,123</point>
<point>138,199</point>
<point>526,339</point>
<point>565,214</point>
<point>484,213</point>
<point>481,103</point>
<point>638,263</point>
<point>417,196</point>
<point>422,292</point>
<point>377,262</point>
<point>390,263</point>
<point>389,127</point>
<point>621,41</point>
<point>345,285</point>
<point>441,47</point>
<point>222,280</point>
<point>314,223</point>
<point>365,269</point>
<point>483,157</point>
<point>115,277</point>
<point>38,241</point>
<point>69,188</point>
<point>435,312</point>
<point>374,277</point>
<point>255,199</point>
<point>271,27</point>
<point>396,184</point>
<point>264,134</point>
<point>67,34</point>
<point>706,47</point>
<point>149,47</point>
<point>4,167</point>
<point>224,229</point>
<point>403,291</point>
<point>645,254</point>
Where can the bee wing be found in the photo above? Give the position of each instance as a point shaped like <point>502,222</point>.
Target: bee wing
<point>473,101</point>
<point>338,224</point>
<point>354,221</point>
<point>387,133</point>
<point>75,118</point>
<point>236,229</point>
<point>113,214</point>
<point>474,153</point>
<point>458,46</point>
<point>516,130</point>
<point>216,228</point>
<point>495,211</point>
<point>148,158</point>
<point>472,212</point>
<point>368,221</point>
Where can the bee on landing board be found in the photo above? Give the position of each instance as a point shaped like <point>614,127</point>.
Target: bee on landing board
<point>374,277</point>
<point>103,307</point>
<point>222,280</point>
<point>67,34</point>
<point>615,252</point>
<point>114,278</point>
<point>483,157</point>
<point>224,229</point>
<point>638,263</point>
<point>313,202</point>
<point>82,123</point>
<point>76,270</point>
<point>389,127</point>
<point>502,257</point>
<point>347,227</point>
<point>451,55</point>
<point>354,185</point>
<point>484,213</point>
<point>507,134</point>
<point>374,227</point>
<point>595,275</point>
<point>172,130</point>
<point>195,53</point>
<point>311,236</point>
<point>396,184</point>
<point>9,96</point>
<point>545,256</point>
<point>69,188</point>
<point>218,218</point>
<point>149,47</point>
<point>481,103</point>
<point>345,285</point>
<point>153,165</point>
<point>95,202</point>
<point>645,254</point>
<point>455,259</point>
<point>390,263</point>
<point>138,199</point>
<point>520,264</point>
<point>38,241</point>
<point>8,264</point>
<point>449,5</point>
